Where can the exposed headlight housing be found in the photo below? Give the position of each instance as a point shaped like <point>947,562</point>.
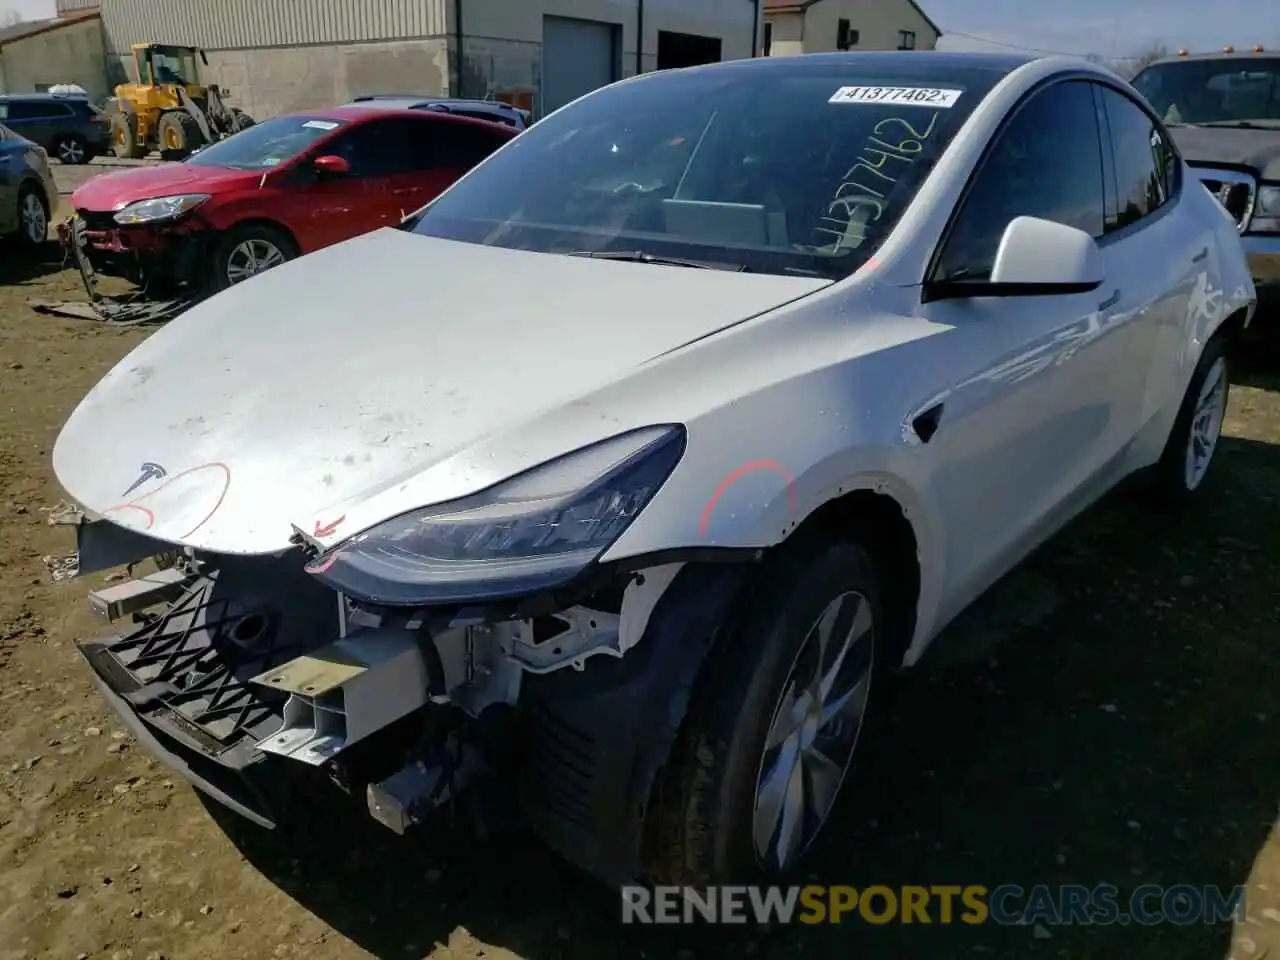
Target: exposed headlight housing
<point>159,209</point>
<point>1266,210</point>
<point>536,531</point>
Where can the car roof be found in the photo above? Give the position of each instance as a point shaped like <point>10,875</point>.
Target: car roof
<point>926,64</point>
<point>1239,55</point>
<point>364,111</point>
<point>44,96</point>
<point>422,99</point>
<point>420,103</point>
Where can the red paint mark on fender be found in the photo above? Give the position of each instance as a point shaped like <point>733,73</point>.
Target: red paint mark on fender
<point>151,517</point>
<point>321,566</point>
<point>136,503</point>
<point>736,475</point>
<point>328,529</point>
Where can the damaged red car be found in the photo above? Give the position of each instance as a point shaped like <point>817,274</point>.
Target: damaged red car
<point>275,191</point>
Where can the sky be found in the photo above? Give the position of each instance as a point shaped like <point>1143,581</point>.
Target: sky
<point>1110,28</point>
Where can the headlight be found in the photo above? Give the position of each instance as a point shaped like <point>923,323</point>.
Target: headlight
<point>161,208</point>
<point>535,531</point>
<point>1266,211</point>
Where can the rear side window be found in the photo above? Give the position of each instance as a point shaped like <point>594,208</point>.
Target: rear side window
<point>1046,162</point>
<point>379,148</point>
<point>1146,166</point>
<point>458,146</point>
<point>37,110</point>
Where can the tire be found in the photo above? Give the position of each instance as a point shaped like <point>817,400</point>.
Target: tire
<point>33,218</point>
<point>178,134</point>
<point>256,239</point>
<point>240,120</point>
<point>1173,480</point>
<point>72,150</point>
<point>124,137</point>
<point>703,817</point>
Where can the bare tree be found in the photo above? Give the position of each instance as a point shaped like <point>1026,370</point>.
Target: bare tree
<point>1129,67</point>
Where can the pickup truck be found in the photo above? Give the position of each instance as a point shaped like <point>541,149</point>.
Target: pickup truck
<point>1223,110</point>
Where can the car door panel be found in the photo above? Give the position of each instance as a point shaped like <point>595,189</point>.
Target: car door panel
<point>1044,417</point>
<point>1154,246</point>
<point>32,120</point>
<point>10,171</point>
<point>325,209</point>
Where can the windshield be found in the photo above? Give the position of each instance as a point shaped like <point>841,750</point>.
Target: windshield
<point>786,168</point>
<point>266,145</point>
<point>1214,91</point>
<point>173,65</point>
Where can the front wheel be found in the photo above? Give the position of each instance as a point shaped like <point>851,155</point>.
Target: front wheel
<point>761,758</point>
<point>33,217</point>
<point>249,250</point>
<point>1193,441</point>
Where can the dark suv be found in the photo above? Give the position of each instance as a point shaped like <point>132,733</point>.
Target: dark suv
<point>69,127</point>
<point>1223,109</point>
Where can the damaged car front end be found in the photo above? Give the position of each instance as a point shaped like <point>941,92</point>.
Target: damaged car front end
<point>160,239</point>
<point>391,665</point>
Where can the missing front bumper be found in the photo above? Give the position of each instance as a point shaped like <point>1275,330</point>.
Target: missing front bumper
<point>237,777</point>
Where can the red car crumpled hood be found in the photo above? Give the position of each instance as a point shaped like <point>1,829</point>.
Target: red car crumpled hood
<point>112,191</point>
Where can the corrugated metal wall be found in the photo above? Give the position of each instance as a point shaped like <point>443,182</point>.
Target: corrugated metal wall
<point>76,6</point>
<point>239,24</point>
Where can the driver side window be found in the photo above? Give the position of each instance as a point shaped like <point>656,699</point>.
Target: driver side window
<point>1046,162</point>
<point>377,148</point>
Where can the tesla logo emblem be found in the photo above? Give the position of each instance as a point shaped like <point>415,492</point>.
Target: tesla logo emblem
<point>328,529</point>
<point>149,471</point>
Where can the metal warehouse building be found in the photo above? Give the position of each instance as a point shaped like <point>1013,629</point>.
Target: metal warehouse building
<point>281,55</point>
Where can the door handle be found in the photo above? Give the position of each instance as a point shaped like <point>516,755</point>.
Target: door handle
<point>1200,256</point>
<point>1110,302</point>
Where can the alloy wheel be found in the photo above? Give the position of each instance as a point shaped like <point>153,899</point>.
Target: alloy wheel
<point>35,225</point>
<point>1206,424</point>
<point>71,151</point>
<point>814,731</point>
<point>252,257</point>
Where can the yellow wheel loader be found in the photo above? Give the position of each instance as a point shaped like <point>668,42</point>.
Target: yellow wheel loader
<point>166,108</point>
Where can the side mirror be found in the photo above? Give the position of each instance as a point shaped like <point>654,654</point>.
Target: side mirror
<point>331,165</point>
<point>1036,258</point>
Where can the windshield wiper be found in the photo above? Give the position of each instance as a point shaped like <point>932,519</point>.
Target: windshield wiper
<point>640,256</point>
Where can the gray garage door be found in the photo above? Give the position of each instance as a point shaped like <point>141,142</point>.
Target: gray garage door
<point>577,57</point>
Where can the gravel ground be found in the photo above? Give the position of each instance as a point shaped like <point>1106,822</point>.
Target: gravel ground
<point>1108,714</point>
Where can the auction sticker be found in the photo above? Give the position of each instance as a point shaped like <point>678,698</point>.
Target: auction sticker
<point>936,97</point>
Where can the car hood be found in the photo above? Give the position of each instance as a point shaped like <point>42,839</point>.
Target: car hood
<point>352,371</point>
<point>1258,149</point>
<point>113,191</point>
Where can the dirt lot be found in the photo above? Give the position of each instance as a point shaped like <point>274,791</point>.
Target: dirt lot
<point>1108,715</point>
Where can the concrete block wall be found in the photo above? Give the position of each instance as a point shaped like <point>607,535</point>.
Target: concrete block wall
<point>492,66</point>
<point>268,82</point>
<point>70,54</point>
